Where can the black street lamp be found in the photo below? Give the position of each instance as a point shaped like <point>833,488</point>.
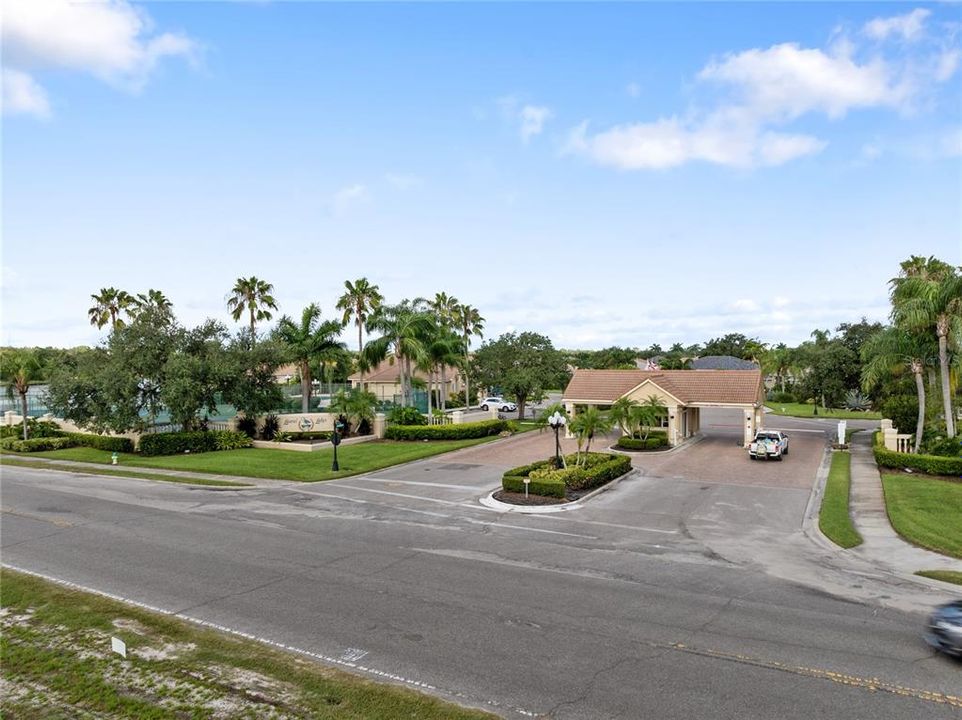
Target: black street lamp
<point>336,439</point>
<point>557,421</point>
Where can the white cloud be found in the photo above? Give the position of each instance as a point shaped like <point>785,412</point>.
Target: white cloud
<point>403,181</point>
<point>111,40</point>
<point>533,118</point>
<point>348,197</point>
<point>909,26</point>
<point>763,89</point>
<point>22,95</point>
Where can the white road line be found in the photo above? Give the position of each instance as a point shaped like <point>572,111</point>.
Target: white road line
<point>521,527</point>
<point>397,494</point>
<point>573,519</point>
<point>410,482</point>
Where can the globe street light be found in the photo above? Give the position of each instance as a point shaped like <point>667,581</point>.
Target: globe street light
<point>557,421</point>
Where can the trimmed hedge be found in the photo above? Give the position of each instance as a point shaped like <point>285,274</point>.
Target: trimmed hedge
<point>41,444</point>
<point>928,464</point>
<point>652,443</point>
<point>111,443</point>
<point>177,443</point>
<point>599,468</point>
<point>35,429</point>
<point>465,431</point>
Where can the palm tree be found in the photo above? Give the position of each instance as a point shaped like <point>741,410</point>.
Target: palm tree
<point>108,306</point>
<point>26,371</point>
<point>648,414</point>
<point>621,414</point>
<point>931,299</point>
<point>153,300</point>
<point>586,425</point>
<point>356,405</point>
<point>359,300</point>
<point>253,296</point>
<point>404,329</point>
<point>893,350</point>
<point>446,308</point>
<point>469,322</point>
<point>310,338</point>
<point>443,350</point>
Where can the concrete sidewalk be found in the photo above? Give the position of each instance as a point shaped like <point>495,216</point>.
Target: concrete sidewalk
<point>883,546</point>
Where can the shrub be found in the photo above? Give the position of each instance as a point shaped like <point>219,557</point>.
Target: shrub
<point>781,396</point>
<point>928,464</point>
<point>465,431</point>
<point>855,400</point>
<point>35,429</point>
<point>111,443</point>
<point>40,444</point>
<point>313,435</point>
<point>597,469</point>
<point>247,425</point>
<point>943,447</point>
<point>270,427</point>
<point>197,442</point>
<point>902,410</point>
<point>406,416</point>
<point>653,442</point>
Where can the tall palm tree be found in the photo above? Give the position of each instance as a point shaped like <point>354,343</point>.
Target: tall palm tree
<point>469,322</point>
<point>108,305</point>
<point>25,372</point>
<point>931,299</point>
<point>621,414</point>
<point>253,296</point>
<point>404,329</point>
<point>446,308</point>
<point>586,425</point>
<point>153,300</point>
<point>359,300</point>
<point>309,339</point>
<point>891,351</point>
<point>442,350</point>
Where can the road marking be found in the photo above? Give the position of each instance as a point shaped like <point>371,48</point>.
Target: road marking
<point>528,529</point>
<point>871,684</point>
<point>579,521</point>
<point>352,655</point>
<point>404,495</point>
<point>412,482</point>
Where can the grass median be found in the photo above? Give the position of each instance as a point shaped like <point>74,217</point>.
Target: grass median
<point>6,460</point>
<point>925,511</point>
<point>57,662</point>
<point>804,410</point>
<point>949,576</point>
<point>279,464</point>
<point>834,518</point>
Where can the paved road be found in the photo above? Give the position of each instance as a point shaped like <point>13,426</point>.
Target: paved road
<point>623,609</point>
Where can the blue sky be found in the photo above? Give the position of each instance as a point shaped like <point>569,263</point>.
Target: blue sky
<point>604,174</point>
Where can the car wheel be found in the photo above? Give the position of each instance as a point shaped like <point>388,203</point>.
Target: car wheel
<point>752,457</point>
<point>778,457</point>
<point>504,409</point>
<point>484,407</point>
<point>785,451</point>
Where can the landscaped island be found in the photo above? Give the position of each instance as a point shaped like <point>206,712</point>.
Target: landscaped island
<point>583,472</point>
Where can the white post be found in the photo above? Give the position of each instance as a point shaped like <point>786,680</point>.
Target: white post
<point>841,432</point>
<point>379,424</point>
<point>457,417</point>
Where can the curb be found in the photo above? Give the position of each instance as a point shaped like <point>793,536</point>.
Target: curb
<point>694,440</point>
<point>489,501</point>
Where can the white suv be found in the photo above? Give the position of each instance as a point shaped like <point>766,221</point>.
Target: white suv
<point>498,402</point>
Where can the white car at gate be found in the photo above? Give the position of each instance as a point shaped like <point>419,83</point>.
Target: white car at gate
<point>768,444</point>
<point>498,402</point>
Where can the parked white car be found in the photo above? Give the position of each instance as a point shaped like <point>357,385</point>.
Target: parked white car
<point>768,444</point>
<point>498,402</point>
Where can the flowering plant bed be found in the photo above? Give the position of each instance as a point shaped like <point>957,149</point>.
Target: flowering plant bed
<point>583,474</point>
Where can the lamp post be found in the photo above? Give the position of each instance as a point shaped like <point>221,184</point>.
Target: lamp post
<point>557,421</point>
<point>336,439</point>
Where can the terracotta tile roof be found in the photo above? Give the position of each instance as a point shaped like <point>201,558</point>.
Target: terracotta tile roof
<point>388,372</point>
<point>736,387</point>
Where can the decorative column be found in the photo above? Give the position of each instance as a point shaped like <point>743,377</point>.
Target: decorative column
<point>379,425</point>
<point>570,410</point>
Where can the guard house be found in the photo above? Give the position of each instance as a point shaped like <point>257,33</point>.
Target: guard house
<point>683,392</point>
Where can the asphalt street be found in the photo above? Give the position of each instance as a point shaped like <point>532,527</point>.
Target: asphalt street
<point>669,596</point>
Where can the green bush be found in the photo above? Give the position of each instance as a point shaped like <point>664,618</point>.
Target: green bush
<point>928,464</point>
<point>177,443</point>
<point>270,427</point>
<point>653,442</point>
<point>247,425</point>
<point>40,444</point>
<point>944,447</point>
<point>35,429</point>
<point>406,416</point>
<point>779,396</point>
<point>111,443</point>
<point>597,469</point>
<point>902,410</point>
<point>465,431</point>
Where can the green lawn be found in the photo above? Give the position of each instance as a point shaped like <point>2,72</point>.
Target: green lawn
<point>279,464</point>
<point>55,649</point>
<point>805,410</point>
<point>11,460</point>
<point>834,519</point>
<point>926,511</point>
<point>949,576</point>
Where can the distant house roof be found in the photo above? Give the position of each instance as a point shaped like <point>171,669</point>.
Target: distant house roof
<point>722,362</point>
<point>287,370</point>
<point>691,387</point>
<point>390,372</point>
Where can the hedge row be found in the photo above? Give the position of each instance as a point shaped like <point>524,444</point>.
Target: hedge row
<point>41,444</point>
<point>111,443</point>
<point>652,443</point>
<point>176,443</point>
<point>464,431</point>
<point>928,464</point>
<point>598,469</point>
